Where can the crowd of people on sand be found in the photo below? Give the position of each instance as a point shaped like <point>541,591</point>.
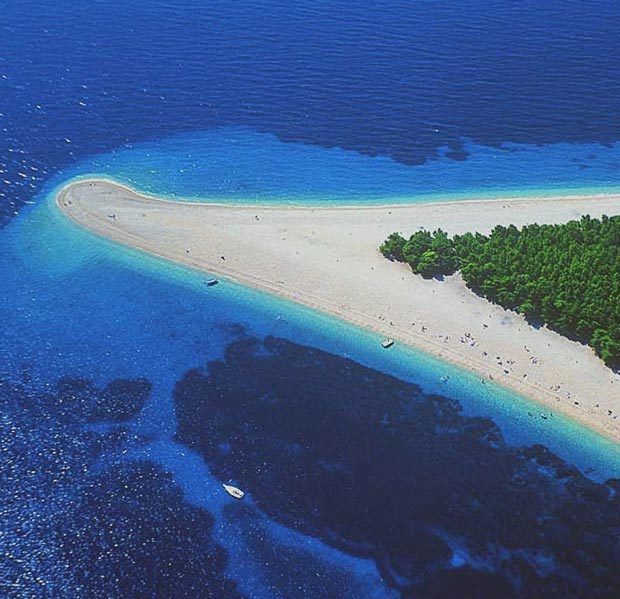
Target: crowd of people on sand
<point>508,365</point>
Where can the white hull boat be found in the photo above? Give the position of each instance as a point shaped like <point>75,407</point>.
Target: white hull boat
<point>233,491</point>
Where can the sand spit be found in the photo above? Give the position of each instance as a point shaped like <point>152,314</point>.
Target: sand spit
<point>327,258</point>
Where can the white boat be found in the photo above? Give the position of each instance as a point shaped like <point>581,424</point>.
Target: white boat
<point>211,282</point>
<point>387,343</point>
<point>233,491</point>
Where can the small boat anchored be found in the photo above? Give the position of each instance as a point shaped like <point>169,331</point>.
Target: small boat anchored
<point>387,343</point>
<point>211,282</point>
<point>233,491</point>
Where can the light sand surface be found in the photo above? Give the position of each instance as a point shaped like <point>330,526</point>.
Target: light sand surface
<point>327,258</point>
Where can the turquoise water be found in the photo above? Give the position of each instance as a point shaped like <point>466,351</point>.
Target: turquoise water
<point>241,165</point>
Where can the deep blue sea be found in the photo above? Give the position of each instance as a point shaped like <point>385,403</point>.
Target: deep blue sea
<point>129,391</point>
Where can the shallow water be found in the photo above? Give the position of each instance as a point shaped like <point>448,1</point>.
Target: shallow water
<point>240,165</point>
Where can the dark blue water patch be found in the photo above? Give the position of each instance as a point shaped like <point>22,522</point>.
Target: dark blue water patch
<point>466,583</point>
<point>119,401</point>
<point>291,570</point>
<point>132,535</point>
<point>375,467</point>
<point>79,522</point>
<point>391,78</point>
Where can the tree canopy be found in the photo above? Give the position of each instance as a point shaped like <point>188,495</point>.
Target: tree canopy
<point>567,276</point>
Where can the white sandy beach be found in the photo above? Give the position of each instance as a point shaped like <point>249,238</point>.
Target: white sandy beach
<point>327,258</point>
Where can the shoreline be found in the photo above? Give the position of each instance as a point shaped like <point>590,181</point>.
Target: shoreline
<point>538,195</point>
<point>340,271</point>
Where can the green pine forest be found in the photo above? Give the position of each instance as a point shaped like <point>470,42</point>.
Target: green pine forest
<point>567,276</point>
